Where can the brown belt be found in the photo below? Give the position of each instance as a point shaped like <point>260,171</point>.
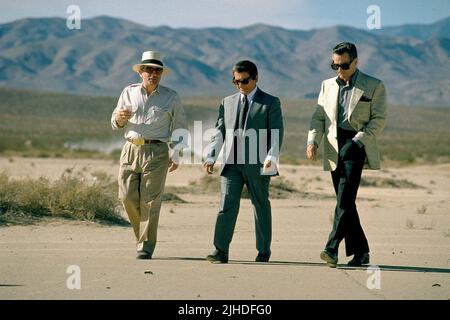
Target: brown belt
<point>143,141</point>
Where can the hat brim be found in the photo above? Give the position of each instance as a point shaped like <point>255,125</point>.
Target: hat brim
<point>136,67</point>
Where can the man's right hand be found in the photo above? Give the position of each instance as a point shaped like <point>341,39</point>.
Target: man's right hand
<point>208,167</point>
<point>123,116</point>
<point>311,152</point>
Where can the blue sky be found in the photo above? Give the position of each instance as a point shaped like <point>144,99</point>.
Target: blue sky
<point>291,14</point>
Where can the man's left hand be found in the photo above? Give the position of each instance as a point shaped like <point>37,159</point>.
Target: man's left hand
<point>348,150</point>
<point>172,166</point>
<point>269,166</point>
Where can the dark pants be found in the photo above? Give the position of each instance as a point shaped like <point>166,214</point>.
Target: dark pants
<point>346,179</point>
<point>232,182</point>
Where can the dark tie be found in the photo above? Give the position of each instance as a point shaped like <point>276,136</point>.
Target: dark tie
<point>240,125</point>
<point>243,113</point>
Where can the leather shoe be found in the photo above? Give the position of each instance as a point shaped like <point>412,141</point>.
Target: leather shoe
<point>359,259</point>
<point>217,257</point>
<point>143,255</point>
<point>262,257</point>
<point>330,258</point>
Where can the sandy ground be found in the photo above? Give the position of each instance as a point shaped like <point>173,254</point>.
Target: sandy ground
<point>410,247</point>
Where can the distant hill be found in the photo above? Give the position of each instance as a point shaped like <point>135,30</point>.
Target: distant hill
<point>413,60</point>
<point>440,29</point>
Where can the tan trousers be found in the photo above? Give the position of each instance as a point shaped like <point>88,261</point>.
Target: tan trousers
<point>142,176</point>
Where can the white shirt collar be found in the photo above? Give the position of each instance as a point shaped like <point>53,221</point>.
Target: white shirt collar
<point>250,95</point>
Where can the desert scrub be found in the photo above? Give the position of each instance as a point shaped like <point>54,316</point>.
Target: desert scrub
<point>68,197</point>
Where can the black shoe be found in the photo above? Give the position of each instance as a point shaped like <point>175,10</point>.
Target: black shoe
<point>143,255</point>
<point>330,258</point>
<point>359,259</point>
<point>262,257</point>
<point>218,257</point>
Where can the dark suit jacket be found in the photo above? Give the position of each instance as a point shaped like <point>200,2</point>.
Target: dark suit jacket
<point>264,127</point>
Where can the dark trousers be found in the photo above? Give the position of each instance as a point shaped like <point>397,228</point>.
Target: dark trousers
<point>346,179</point>
<point>232,182</point>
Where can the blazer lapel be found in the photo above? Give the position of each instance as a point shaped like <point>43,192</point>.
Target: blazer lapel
<point>357,93</point>
<point>331,105</point>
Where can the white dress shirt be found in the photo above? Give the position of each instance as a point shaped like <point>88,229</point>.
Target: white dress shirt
<point>155,116</point>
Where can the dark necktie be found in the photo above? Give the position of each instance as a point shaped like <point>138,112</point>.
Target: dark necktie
<point>243,113</point>
<point>240,125</point>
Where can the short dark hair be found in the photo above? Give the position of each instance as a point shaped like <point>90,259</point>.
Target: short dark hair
<point>246,66</point>
<point>344,47</point>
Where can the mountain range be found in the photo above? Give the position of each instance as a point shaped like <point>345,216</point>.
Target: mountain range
<point>43,54</point>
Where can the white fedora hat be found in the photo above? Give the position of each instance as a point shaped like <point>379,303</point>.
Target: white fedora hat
<point>153,59</point>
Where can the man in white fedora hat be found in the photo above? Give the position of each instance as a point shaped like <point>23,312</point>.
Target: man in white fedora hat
<point>148,113</point>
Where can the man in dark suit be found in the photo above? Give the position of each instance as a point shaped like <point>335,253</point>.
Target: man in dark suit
<point>250,127</point>
<point>350,114</point>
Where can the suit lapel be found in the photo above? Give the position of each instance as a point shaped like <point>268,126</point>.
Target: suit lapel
<point>333,101</point>
<point>231,112</point>
<point>357,93</point>
<point>255,106</point>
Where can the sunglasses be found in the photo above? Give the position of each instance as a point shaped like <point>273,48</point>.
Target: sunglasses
<point>150,70</point>
<point>243,81</point>
<point>343,66</point>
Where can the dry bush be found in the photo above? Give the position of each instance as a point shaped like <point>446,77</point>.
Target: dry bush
<point>69,197</point>
<point>171,197</point>
<point>388,183</point>
<point>409,224</point>
<point>422,210</point>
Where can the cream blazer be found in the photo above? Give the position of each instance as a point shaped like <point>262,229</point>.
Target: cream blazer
<point>367,115</point>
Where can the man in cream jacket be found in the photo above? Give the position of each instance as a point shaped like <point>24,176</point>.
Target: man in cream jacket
<point>350,114</point>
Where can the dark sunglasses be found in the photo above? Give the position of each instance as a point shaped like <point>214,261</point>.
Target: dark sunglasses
<point>343,66</point>
<point>151,70</point>
<point>244,81</point>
